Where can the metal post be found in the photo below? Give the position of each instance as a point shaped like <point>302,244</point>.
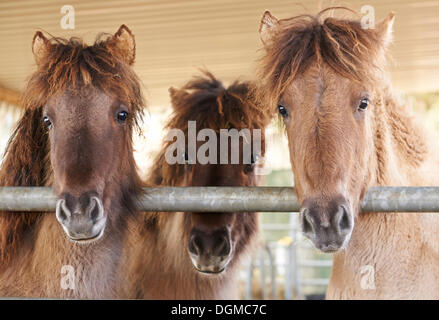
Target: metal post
<point>272,272</point>
<point>249,282</point>
<point>294,256</point>
<point>288,271</point>
<point>262,273</point>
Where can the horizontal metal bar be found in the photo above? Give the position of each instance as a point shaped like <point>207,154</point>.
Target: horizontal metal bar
<point>227,199</point>
<point>401,199</point>
<point>220,199</point>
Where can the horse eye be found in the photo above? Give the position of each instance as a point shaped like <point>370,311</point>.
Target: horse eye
<point>363,104</point>
<point>47,122</point>
<point>282,110</point>
<point>122,116</point>
<point>249,168</point>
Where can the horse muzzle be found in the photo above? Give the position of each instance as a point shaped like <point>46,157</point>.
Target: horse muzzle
<point>82,219</point>
<point>329,226</point>
<point>210,252</point>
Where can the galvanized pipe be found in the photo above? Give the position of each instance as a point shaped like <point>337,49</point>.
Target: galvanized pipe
<point>227,199</point>
<point>220,199</point>
<point>401,199</point>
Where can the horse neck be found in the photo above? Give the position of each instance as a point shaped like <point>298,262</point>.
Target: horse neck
<point>402,154</point>
<point>402,158</point>
<point>95,265</point>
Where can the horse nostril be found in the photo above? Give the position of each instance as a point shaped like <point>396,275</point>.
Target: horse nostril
<point>195,245</point>
<point>306,223</point>
<point>95,209</point>
<point>62,212</point>
<point>345,221</point>
<point>223,248</point>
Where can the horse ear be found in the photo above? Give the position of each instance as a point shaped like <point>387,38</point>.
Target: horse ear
<point>40,47</point>
<point>176,96</point>
<point>123,40</point>
<point>172,92</point>
<point>267,27</point>
<point>384,29</point>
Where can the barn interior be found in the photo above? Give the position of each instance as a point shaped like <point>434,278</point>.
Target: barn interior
<point>174,41</point>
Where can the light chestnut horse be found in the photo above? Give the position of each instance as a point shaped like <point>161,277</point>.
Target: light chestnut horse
<point>197,255</point>
<point>348,131</point>
<point>75,135</point>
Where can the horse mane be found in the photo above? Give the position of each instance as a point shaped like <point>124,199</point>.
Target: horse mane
<point>297,42</point>
<point>68,65</point>
<point>25,163</point>
<point>207,101</point>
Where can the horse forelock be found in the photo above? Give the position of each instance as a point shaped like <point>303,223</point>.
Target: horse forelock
<point>70,64</point>
<point>299,42</point>
<point>210,104</point>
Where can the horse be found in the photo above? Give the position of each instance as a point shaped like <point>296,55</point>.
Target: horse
<point>327,79</point>
<point>82,106</point>
<point>188,255</point>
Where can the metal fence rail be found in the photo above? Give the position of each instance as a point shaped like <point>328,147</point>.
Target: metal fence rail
<point>226,199</point>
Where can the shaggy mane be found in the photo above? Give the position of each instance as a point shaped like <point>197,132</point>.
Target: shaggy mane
<point>303,40</point>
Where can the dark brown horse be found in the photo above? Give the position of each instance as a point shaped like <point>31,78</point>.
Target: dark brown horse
<point>76,134</point>
<point>347,131</point>
<point>196,255</point>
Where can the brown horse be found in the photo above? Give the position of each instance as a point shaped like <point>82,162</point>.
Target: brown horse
<point>196,255</point>
<point>76,134</point>
<point>347,131</point>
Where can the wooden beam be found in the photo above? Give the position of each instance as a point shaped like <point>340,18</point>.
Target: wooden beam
<point>10,96</point>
